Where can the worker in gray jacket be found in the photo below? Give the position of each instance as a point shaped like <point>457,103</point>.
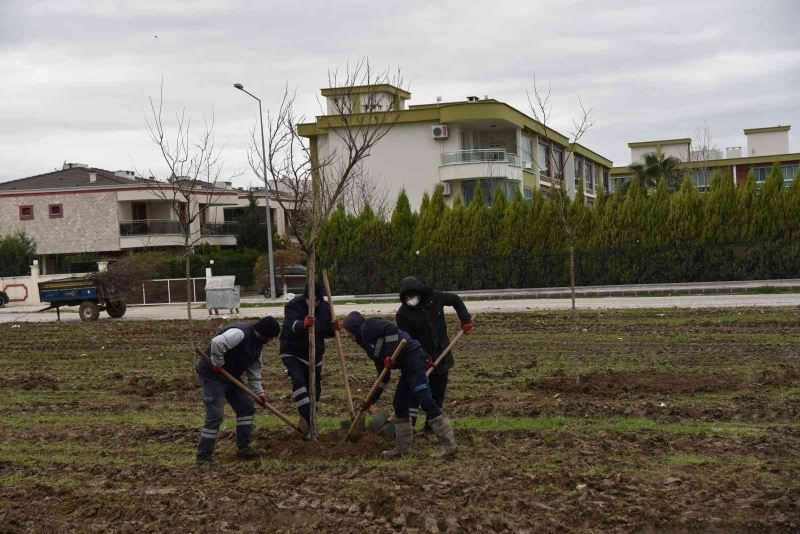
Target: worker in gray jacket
<point>235,348</point>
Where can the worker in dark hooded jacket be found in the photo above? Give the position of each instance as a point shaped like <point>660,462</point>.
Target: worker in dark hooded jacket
<point>379,339</point>
<point>295,346</point>
<point>421,314</point>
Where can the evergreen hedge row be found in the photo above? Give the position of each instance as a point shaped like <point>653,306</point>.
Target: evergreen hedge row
<point>748,233</point>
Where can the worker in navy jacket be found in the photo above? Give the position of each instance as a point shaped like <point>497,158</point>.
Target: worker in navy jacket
<point>295,347</point>
<point>235,348</point>
<point>379,339</point>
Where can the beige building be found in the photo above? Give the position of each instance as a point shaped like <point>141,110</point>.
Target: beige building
<point>85,210</point>
<point>460,145</point>
<point>763,148</point>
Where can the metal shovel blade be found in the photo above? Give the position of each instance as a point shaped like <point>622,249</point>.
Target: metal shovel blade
<point>378,422</point>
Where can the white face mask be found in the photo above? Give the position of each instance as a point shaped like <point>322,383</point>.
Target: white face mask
<point>413,301</point>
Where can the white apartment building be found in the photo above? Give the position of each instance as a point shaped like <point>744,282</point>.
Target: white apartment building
<point>763,148</point>
<point>85,210</point>
<point>459,145</point>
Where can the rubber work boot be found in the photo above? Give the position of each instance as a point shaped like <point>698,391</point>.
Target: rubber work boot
<point>204,463</point>
<point>427,432</point>
<point>249,453</point>
<point>447,440</point>
<point>403,438</point>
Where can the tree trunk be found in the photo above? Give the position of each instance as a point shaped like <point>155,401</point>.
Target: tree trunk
<point>312,347</point>
<point>572,285</point>
<point>188,274</point>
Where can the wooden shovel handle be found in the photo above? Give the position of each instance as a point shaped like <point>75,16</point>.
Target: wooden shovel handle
<point>238,383</point>
<point>377,383</point>
<point>445,352</point>
<point>339,346</point>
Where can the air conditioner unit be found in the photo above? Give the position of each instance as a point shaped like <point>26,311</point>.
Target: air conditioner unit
<point>446,191</point>
<point>439,131</point>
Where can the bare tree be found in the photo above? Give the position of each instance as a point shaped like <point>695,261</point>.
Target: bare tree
<point>309,177</point>
<point>195,165</point>
<point>701,151</point>
<point>558,155</point>
<point>363,191</point>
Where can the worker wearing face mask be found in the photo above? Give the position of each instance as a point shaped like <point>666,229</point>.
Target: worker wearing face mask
<point>421,314</point>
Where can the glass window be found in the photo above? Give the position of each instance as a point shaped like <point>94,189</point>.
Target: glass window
<point>701,179</point>
<point>558,161</point>
<point>468,190</point>
<point>56,211</point>
<point>544,160</point>
<point>789,172</point>
<point>761,173</point>
<point>527,193</point>
<point>605,180</point>
<point>526,151</point>
<point>25,213</point>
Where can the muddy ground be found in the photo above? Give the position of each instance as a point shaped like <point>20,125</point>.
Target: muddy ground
<point>643,421</point>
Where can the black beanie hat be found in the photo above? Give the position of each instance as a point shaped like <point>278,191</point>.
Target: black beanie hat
<point>353,322</point>
<point>267,327</point>
<point>319,291</point>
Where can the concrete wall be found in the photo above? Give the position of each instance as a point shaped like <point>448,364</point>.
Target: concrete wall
<point>24,290</point>
<point>680,151</point>
<point>407,157</point>
<point>767,143</point>
<point>89,222</point>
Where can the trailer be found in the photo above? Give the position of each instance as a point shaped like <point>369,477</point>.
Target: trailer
<point>89,294</point>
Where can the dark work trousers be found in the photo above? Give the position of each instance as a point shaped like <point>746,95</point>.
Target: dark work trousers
<point>298,373</point>
<point>413,389</point>
<point>438,383</point>
<point>215,391</point>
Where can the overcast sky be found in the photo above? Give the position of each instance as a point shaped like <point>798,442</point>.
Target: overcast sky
<point>76,75</point>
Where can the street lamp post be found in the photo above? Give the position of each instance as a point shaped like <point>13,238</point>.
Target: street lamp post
<point>271,275</point>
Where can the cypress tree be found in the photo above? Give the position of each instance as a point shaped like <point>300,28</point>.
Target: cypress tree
<point>685,213</point>
<point>658,205</point>
<point>792,223</point>
<point>719,211</point>
<point>747,208</point>
<point>430,217</point>
<point>770,213</point>
<point>632,220</point>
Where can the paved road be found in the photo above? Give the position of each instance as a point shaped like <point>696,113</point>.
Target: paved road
<point>175,311</point>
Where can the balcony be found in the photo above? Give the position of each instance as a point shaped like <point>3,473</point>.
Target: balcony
<point>149,227</point>
<point>219,229</point>
<point>480,163</point>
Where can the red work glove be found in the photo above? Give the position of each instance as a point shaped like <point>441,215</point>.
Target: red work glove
<point>263,401</point>
<point>365,406</point>
<point>387,362</point>
<point>308,321</point>
<point>430,364</point>
<point>217,369</point>
<point>337,324</point>
<point>466,327</point>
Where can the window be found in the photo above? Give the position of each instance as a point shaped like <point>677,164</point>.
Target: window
<point>56,211</point>
<point>527,193</point>
<point>701,179</point>
<point>589,181</point>
<point>544,160</point>
<point>605,180</point>
<point>526,152</point>
<point>558,161</point>
<point>761,173</point>
<point>789,172</point>
<point>578,165</point>
<point>25,213</point>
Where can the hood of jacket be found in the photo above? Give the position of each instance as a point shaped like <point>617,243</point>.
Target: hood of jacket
<point>410,284</point>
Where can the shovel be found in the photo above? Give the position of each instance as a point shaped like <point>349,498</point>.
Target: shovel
<point>236,382</point>
<point>374,388</point>
<point>347,422</point>
<point>383,423</point>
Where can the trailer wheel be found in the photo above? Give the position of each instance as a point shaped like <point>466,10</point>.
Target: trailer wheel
<point>115,308</point>
<point>89,311</point>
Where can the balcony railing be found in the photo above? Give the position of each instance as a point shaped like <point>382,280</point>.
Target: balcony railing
<point>489,155</point>
<point>224,228</point>
<point>149,227</point>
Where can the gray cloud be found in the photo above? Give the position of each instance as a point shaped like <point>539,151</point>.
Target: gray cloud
<point>75,75</point>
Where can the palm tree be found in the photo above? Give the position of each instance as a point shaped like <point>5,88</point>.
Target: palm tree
<point>655,167</point>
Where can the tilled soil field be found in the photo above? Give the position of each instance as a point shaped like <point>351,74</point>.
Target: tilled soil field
<point>643,421</point>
